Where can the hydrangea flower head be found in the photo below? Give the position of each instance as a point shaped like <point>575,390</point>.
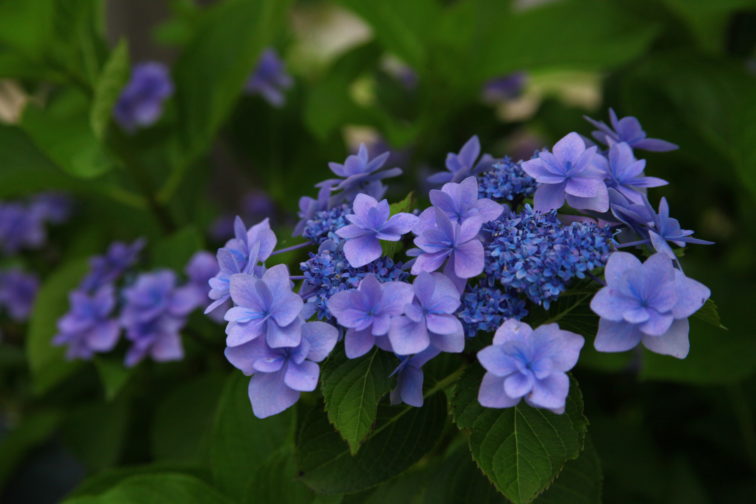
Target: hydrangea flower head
<point>506,87</point>
<point>429,320</point>
<point>279,375</point>
<point>360,174</point>
<point>505,180</point>
<point>367,311</point>
<point>628,130</point>
<point>463,164</point>
<point>107,268</point>
<point>88,327</point>
<point>459,201</point>
<point>370,223</point>
<point>269,79</point>
<point>625,173</point>
<point>485,308</point>
<point>439,238</point>
<point>323,225</point>
<point>530,364</point>
<point>52,207</point>
<point>646,303</point>
<point>141,101</point>
<point>310,207</point>
<point>20,228</point>
<point>153,314</point>
<point>17,293</point>
<point>568,173</point>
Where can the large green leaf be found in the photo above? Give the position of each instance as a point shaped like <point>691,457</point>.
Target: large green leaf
<point>95,432</point>
<point>352,389</point>
<point>156,488</point>
<point>212,70</point>
<point>34,430</point>
<point>580,482</point>
<point>175,250</point>
<point>240,443</point>
<point>521,449</point>
<point>275,482</point>
<point>113,374</point>
<point>47,362</point>
<point>402,436</point>
<point>113,77</point>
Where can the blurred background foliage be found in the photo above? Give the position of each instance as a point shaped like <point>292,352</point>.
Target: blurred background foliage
<point>397,74</point>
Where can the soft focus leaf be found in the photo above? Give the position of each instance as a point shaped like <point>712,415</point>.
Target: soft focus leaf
<point>521,449</point>
<point>580,482</point>
<point>34,430</point>
<point>402,436</point>
<point>276,482</point>
<point>175,250</point>
<point>47,362</point>
<point>95,432</point>
<point>157,488</point>
<point>113,77</point>
<point>352,389</point>
<point>240,442</point>
<point>113,375</point>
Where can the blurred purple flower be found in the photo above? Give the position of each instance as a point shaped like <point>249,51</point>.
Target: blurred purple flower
<point>269,79</point>
<point>141,101</point>
<point>17,293</point>
<point>570,172</point>
<point>529,364</point>
<point>51,207</point>
<point>88,328</point>
<point>506,87</point>
<point>646,303</point>
<point>628,130</point>
<point>20,228</point>
<point>255,206</point>
<point>200,269</point>
<point>107,268</point>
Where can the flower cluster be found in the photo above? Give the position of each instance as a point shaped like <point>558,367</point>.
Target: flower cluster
<point>484,256</point>
<point>151,309</point>
<point>18,290</point>
<point>22,223</point>
<point>269,79</point>
<point>141,101</point>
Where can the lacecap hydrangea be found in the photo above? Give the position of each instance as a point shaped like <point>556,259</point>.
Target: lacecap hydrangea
<point>499,242</point>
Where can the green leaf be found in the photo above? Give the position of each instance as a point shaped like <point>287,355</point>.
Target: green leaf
<point>62,131</point>
<point>34,430</point>
<point>113,374</point>
<point>184,419</point>
<point>406,205</point>
<point>240,442</point>
<point>709,314</point>
<point>352,389</point>
<point>521,449</point>
<point>402,436</point>
<point>95,432</point>
<point>175,250</point>
<point>157,488</point>
<point>113,77</point>
<point>276,482</point>
<point>212,70</point>
<point>47,362</point>
<point>580,482</point>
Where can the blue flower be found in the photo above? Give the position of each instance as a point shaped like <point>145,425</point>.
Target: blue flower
<point>429,320</point>
<point>625,173</point>
<point>20,228</point>
<point>440,238</point>
<point>310,207</point>
<point>323,224</point>
<point>666,229</point>
<point>279,375</point>
<point>504,88</point>
<point>409,378</point>
<point>646,303</point>
<point>88,327</point>
<point>367,312</point>
<point>141,101</point>
<point>264,307</point>
<point>17,293</point>
<point>51,207</point>
<point>529,364</point>
<point>505,180</point>
<point>360,174</point>
<point>370,223</point>
<point>269,79</point>
<point>484,308</point>
<point>462,165</point>
<point>571,173</point>
<point>460,202</point>
<point>107,268</point>
<point>628,130</point>
<point>200,269</point>
<point>154,312</point>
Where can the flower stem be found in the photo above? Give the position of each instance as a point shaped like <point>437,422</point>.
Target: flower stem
<point>293,247</point>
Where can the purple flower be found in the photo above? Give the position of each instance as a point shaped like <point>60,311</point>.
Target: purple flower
<point>20,228</point>
<point>370,223</point>
<point>141,101</point>
<point>506,87</point>
<point>628,130</point>
<point>667,229</point>
<point>264,307</point>
<point>360,174</point>
<point>530,364</point>
<point>107,268</point>
<point>153,314</point>
<point>460,202</point>
<point>439,238</point>
<point>17,293</point>
<point>51,207</point>
<point>88,328</point>
<point>570,172</point>
<point>309,207</point>
<point>240,255</point>
<point>255,206</point>
<point>429,320</point>
<point>646,303</point>
<point>409,378</point>
<point>200,269</point>
<point>269,79</point>
<point>367,311</point>
<point>625,173</point>
<point>280,374</point>
<point>462,165</point>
